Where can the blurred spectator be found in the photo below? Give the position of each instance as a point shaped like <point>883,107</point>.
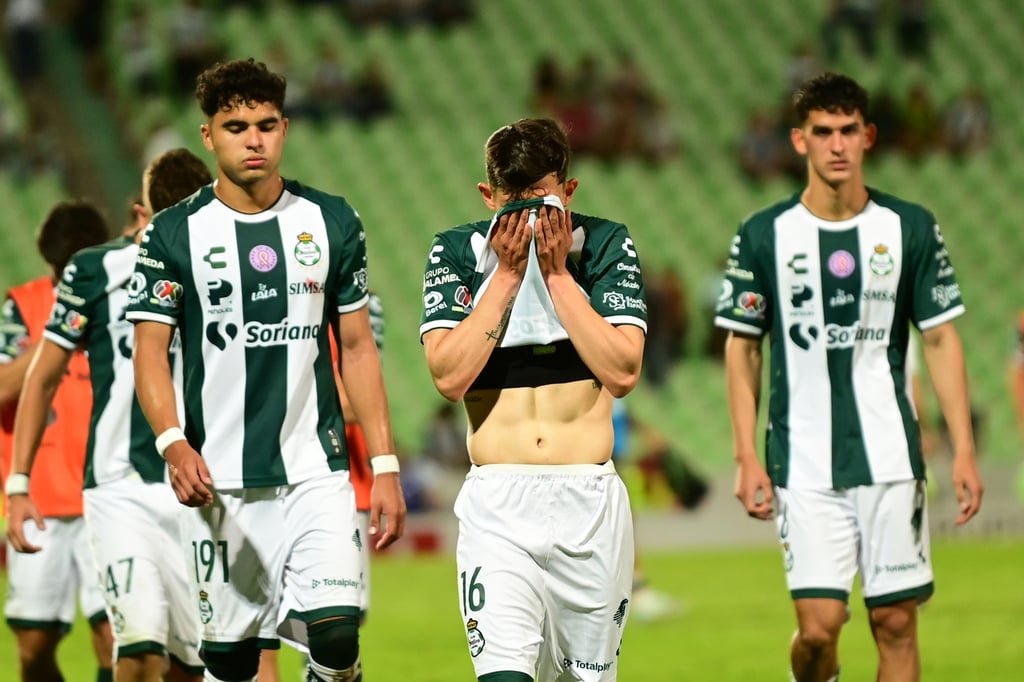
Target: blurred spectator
<point>968,123</point>
<point>583,108</point>
<point>549,87</point>
<point>23,35</point>
<point>140,58</point>
<point>921,123</point>
<point>405,13</point>
<point>859,16</point>
<point>659,140</point>
<point>801,66</point>
<point>371,93</point>
<point>885,114</point>
<point>329,84</point>
<point>279,60</point>
<point>913,31</point>
<point>668,324</point>
<point>763,153</point>
<point>445,441</point>
<point>88,19</point>
<point>194,44</point>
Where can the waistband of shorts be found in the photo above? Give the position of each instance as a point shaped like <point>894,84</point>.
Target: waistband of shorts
<point>606,469</point>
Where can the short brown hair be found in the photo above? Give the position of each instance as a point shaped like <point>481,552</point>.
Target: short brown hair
<point>172,176</point>
<point>69,227</point>
<point>518,155</point>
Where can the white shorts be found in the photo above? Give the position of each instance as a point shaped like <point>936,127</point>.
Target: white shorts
<point>294,555</point>
<point>133,529</point>
<point>545,569</point>
<point>363,519</point>
<point>41,587</point>
<point>880,530</point>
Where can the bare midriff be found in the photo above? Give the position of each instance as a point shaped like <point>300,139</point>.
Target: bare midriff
<point>566,423</point>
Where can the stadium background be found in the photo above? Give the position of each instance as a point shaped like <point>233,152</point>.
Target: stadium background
<point>414,173</point>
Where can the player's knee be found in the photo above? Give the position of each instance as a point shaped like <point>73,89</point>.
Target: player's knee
<point>237,664</point>
<point>334,646</point>
<point>818,636</point>
<point>894,621</point>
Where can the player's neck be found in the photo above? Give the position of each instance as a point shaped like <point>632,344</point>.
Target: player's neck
<point>840,202</point>
<point>254,198</point>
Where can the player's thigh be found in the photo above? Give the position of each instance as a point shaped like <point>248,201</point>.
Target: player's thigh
<point>41,586</point>
<point>820,542</point>
<point>234,553</point>
<point>323,574</point>
<point>589,580</point>
<point>896,550</point>
<point>90,595</point>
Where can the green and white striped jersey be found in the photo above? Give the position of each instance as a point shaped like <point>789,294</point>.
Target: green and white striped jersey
<point>255,298</point>
<point>837,299</point>
<point>90,312</point>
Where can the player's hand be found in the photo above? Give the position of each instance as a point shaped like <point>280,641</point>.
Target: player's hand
<point>511,241</point>
<point>754,491</point>
<point>21,508</point>
<point>387,501</point>
<point>553,233</point>
<point>189,476</point>
<point>968,486</point>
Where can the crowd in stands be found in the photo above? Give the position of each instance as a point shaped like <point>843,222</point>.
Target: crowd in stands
<point>910,123</point>
<point>607,116</point>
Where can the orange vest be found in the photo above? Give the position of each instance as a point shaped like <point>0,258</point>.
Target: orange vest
<point>56,482</point>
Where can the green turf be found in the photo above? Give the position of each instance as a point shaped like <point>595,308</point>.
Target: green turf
<point>736,627</point>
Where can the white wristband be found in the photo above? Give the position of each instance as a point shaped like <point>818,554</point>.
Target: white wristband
<point>164,440</point>
<point>384,464</point>
<point>17,484</point>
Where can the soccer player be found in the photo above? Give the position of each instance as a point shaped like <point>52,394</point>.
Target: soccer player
<point>40,604</point>
<point>535,320</point>
<point>835,275</point>
<point>260,272</point>
<point>131,516</point>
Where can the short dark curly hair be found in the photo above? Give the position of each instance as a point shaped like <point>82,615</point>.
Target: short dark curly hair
<point>521,153</point>
<point>242,81</point>
<point>831,92</point>
<point>172,176</point>
<point>69,227</point>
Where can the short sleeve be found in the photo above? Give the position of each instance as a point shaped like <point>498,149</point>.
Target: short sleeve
<point>616,281</point>
<point>14,337</point>
<point>79,288</point>
<point>447,293</point>
<point>743,303</point>
<point>350,272</point>
<point>155,290</point>
<point>936,291</point>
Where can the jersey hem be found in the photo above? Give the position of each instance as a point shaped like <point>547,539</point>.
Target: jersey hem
<point>619,320</point>
<point>352,307</point>
<point>948,315</point>
<point>143,316</point>
<point>59,340</point>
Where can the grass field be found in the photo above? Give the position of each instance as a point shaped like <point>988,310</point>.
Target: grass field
<point>736,627</point>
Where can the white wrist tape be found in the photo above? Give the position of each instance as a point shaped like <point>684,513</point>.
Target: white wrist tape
<point>164,440</point>
<point>17,484</point>
<point>384,464</point>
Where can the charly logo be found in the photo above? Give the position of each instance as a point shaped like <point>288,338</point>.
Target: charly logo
<point>212,260</point>
<point>475,637</point>
<point>307,251</point>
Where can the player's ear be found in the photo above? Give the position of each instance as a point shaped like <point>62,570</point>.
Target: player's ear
<point>796,136</point>
<point>570,189</point>
<point>870,135</point>
<point>487,194</point>
<point>204,130</point>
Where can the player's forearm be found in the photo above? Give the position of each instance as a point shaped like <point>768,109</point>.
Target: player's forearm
<point>944,356</point>
<point>456,357</point>
<point>42,378</point>
<point>12,376</point>
<point>743,383</point>
<point>613,354</point>
<point>369,403</point>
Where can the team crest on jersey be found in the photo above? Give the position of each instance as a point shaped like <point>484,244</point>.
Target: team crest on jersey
<point>360,279</point>
<point>881,260</point>
<point>842,263</point>
<point>74,323</point>
<point>136,285</point>
<point>307,251</point>
<point>205,607</point>
<point>475,637</point>
<point>262,258</point>
<point>118,620</point>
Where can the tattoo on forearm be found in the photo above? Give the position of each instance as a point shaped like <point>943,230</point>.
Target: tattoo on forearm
<point>499,331</point>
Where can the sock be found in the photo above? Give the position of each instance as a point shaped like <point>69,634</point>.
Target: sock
<point>105,675</point>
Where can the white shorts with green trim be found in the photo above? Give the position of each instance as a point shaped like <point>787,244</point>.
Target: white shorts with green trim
<point>267,561</point>
<point>42,587</point>
<point>880,530</point>
<point>134,533</point>
<point>545,569</point>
